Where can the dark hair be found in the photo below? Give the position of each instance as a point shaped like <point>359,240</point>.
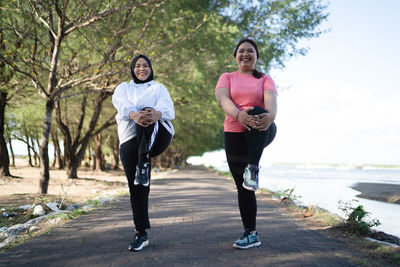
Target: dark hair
<point>257,74</point>
<point>134,60</point>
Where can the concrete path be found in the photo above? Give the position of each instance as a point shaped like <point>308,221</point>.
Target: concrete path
<point>195,220</point>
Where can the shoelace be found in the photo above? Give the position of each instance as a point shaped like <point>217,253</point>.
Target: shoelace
<point>245,235</point>
<point>143,170</point>
<point>254,174</point>
<point>138,236</point>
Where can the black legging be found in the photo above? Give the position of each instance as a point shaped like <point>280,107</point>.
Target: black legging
<point>129,153</point>
<point>241,149</point>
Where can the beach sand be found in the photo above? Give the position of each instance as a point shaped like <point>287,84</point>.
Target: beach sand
<point>378,191</point>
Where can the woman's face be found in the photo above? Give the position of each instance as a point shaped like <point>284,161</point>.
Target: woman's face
<point>142,69</point>
<point>246,57</point>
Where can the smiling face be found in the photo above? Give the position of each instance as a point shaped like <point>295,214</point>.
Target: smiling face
<point>246,57</point>
<point>142,69</point>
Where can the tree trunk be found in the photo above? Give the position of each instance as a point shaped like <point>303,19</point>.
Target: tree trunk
<point>9,140</point>
<point>76,161</point>
<point>72,171</point>
<point>171,158</point>
<point>37,145</point>
<point>99,156</point>
<point>44,148</point>
<point>57,150</point>
<point>28,149</point>
<point>4,158</point>
<point>94,162</point>
<point>90,156</point>
<point>54,159</point>
<point>115,151</point>
<point>35,158</point>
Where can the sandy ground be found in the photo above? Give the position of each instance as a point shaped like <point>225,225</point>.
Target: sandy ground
<point>380,192</point>
<point>23,187</point>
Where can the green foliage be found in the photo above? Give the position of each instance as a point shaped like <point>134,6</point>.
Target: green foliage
<point>397,257</point>
<point>357,218</point>
<point>286,195</point>
<point>16,216</point>
<point>189,42</point>
<point>68,215</point>
<point>24,118</point>
<point>326,217</point>
<point>93,202</point>
<point>225,173</point>
<point>278,26</point>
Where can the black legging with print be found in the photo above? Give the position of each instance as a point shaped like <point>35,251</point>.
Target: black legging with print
<point>130,153</point>
<point>241,149</point>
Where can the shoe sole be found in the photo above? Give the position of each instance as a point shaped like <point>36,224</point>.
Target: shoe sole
<point>144,244</point>
<point>137,183</point>
<point>249,188</point>
<point>248,246</point>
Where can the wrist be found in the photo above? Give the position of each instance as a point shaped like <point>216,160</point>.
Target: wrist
<point>237,115</point>
<point>131,115</point>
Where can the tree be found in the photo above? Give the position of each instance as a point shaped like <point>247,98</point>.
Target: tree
<point>4,159</point>
<point>5,76</point>
<point>46,27</point>
<point>67,49</point>
<point>76,136</point>
<point>24,115</point>
<point>278,26</point>
<point>171,24</point>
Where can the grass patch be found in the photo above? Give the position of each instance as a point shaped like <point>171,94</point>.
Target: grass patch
<point>226,174</point>
<point>68,215</point>
<point>326,217</point>
<point>16,216</point>
<point>390,253</point>
<point>65,216</point>
<point>396,256</point>
<point>265,191</point>
<point>222,173</point>
<point>93,202</point>
<point>286,195</point>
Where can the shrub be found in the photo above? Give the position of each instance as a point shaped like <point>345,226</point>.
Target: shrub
<point>357,216</point>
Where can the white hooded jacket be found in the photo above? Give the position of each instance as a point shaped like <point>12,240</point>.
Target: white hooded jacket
<point>134,97</point>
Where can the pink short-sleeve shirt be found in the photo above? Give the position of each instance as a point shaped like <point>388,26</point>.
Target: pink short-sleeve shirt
<point>246,91</point>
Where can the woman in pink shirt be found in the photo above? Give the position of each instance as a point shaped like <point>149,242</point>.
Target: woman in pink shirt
<point>248,97</point>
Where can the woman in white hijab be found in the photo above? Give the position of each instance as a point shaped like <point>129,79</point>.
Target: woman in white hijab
<point>144,110</point>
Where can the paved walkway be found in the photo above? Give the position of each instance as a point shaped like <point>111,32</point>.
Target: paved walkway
<point>195,219</point>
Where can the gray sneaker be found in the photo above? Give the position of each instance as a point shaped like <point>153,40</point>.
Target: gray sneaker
<point>143,174</point>
<point>250,177</point>
<point>139,243</point>
<point>248,240</point>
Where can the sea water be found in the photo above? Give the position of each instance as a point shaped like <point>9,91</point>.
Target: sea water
<point>323,186</point>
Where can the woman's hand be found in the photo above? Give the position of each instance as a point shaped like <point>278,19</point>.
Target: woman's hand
<point>145,117</point>
<point>262,122</point>
<point>245,119</point>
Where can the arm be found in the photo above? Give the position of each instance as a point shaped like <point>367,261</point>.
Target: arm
<point>266,119</point>
<point>126,109</point>
<point>164,104</point>
<point>163,109</point>
<point>225,102</point>
<point>121,102</point>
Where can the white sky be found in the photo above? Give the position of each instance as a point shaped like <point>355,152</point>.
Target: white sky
<point>341,102</point>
